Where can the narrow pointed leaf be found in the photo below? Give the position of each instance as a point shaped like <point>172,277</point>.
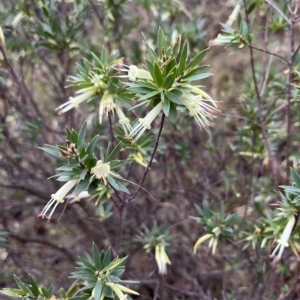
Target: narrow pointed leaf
<point>81,135</point>
<point>98,289</point>
<point>181,63</point>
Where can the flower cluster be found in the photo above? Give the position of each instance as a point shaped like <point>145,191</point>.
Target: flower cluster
<point>97,85</point>
<point>161,258</point>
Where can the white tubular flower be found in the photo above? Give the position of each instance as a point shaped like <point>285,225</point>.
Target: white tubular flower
<point>135,73</point>
<point>221,40</point>
<point>233,15</point>
<point>283,241</point>
<point>123,121</point>
<point>119,289</point>
<point>161,258</point>
<point>106,105</point>
<point>82,195</point>
<point>101,171</point>
<point>145,123</point>
<point>85,94</point>
<point>201,93</point>
<point>201,109</point>
<point>201,240</point>
<point>57,198</point>
<point>213,243</point>
<point>2,38</point>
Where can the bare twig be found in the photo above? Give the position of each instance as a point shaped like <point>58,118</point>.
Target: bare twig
<point>274,6</point>
<point>259,103</point>
<point>151,158</point>
<point>26,239</point>
<point>268,52</point>
<point>112,138</point>
<point>289,89</point>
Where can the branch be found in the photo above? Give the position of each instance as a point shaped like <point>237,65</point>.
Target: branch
<point>37,240</point>
<point>259,104</point>
<point>19,80</point>
<point>289,90</point>
<point>151,159</point>
<point>268,52</point>
<point>270,2</point>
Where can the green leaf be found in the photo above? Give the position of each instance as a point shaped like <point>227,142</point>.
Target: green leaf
<point>70,136</point>
<point>96,257</point>
<point>83,276</point>
<point>98,289</point>
<point>83,173</point>
<point>114,153</point>
<point>107,257</point>
<point>34,287</point>
<point>81,186</point>
<point>170,65</point>
<point>86,263</point>
<point>170,79</point>
<point>62,293</point>
<point>113,279</point>
<point>90,162</point>
<point>80,298</point>
<point>114,264</point>
<point>161,42</point>
<point>197,59</point>
<point>117,272</point>
<point>12,292</point>
<point>52,150</point>
<point>81,136</point>
<point>166,107</point>
<point>150,52</point>
<point>183,56</point>
<point>150,95</point>
<point>197,77</point>
<point>92,145</point>
<point>22,286</point>
<point>150,67</point>
<point>296,177</point>
<point>172,113</point>
<point>113,183</point>
<point>176,47</point>
<point>174,98</point>
<point>158,75</point>
<point>117,164</point>
<point>69,167</point>
<point>107,291</point>
<point>47,292</point>
<point>93,186</point>
<point>122,187</point>
<point>195,71</point>
<point>222,210</point>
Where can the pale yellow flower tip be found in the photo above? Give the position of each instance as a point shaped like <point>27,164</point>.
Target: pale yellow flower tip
<point>119,289</point>
<point>127,290</point>
<point>201,240</point>
<point>2,38</point>
<point>161,258</point>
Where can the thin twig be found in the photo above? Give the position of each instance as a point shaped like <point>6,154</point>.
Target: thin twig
<point>151,158</point>
<point>289,92</point>
<point>112,138</point>
<point>268,52</point>
<point>259,103</point>
<point>19,80</point>
<point>278,10</point>
<point>26,239</point>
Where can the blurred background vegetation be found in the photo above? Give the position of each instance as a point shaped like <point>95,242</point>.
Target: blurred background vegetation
<point>229,163</point>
